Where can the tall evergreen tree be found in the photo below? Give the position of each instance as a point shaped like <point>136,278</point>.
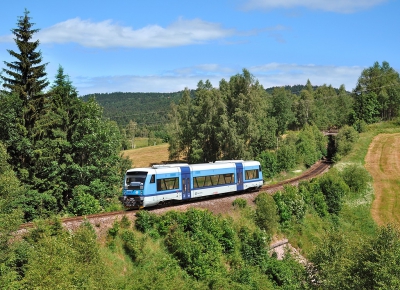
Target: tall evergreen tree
<point>27,73</point>
<point>25,77</point>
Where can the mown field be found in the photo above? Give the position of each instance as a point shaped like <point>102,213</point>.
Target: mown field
<point>378,150</point>
<point>146,156</point>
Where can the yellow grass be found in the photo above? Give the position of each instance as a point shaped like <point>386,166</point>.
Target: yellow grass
<point>146,156</point>
<point>383,163</point>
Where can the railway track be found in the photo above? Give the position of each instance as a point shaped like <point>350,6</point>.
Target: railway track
<point>97,219</point>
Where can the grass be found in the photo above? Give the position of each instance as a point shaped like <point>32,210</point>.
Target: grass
<point>357,155</point>
<point>358,212</point>
<point>147,156</point>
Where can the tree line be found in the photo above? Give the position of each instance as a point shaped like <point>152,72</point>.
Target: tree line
<point>241,120</point>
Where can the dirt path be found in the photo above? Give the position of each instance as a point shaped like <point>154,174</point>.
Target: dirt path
<point>383,163</point>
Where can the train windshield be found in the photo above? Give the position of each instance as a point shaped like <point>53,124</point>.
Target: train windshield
<point>135,180</point>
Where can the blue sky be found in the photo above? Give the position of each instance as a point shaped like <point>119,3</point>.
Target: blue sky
<point>165,46</point>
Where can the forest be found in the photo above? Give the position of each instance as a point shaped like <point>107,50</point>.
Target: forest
<point>60,155</point>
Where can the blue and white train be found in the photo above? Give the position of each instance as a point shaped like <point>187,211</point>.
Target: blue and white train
<point>163,184</point>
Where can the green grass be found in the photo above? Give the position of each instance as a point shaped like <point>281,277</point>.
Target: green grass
<point>357,155</point>
<point>141,142</point>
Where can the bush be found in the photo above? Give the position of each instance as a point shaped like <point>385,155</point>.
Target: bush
<point>240,203</point>
<point>83,203</point>
<point>345,139</point>
<point>356,178</point>
<point>269,164</point>
<point>266,215</point>
<point>286,156</point>
<point>334,189</point>
<point>145,221</point>
<point>290,204</point>
<point>313,196</point>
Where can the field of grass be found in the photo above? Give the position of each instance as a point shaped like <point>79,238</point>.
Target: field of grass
<point>376,150</point>
<point>146,156</point>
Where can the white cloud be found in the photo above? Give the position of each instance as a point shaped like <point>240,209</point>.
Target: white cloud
<point>269,75</point>
<point>275,74</point>
<point>6,38</point>
<point>340,6</point>
<point>109,34</point>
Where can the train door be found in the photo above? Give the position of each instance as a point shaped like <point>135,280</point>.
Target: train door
<point>239,176</point>
<point>186,187</point>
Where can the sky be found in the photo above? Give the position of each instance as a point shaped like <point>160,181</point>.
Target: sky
<point>166,46</point>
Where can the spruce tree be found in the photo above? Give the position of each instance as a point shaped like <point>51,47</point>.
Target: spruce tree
<point>25,79</point>
<point>26,75</point>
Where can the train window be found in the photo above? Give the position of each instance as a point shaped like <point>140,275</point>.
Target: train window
<point>167,184</point>
<point>211,180</point>
<point>136,176</point>
<point>153,178</point>
<point>228,178</point>
<point>251,174</point>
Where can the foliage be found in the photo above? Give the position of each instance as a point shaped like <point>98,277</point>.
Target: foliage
<point>313,196</point>
<point>377,94</point>
<point>286,156</point>
<point>356,178</point>
<point>10,218</point>
<point>83,203</point>
<point>290,203</point>
<point>334,189</point>
<point>287,273</point>
<point>281,109</point>
<point>344,141</point>
<point>229,122</point>
<point>269,164</point>
<point>56,141</point>
<point>309,145</point>
<point>240,203</point>
<point>266,216</point>
<point>344,263</point>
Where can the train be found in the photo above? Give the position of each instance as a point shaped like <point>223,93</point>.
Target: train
<point>169,183</point>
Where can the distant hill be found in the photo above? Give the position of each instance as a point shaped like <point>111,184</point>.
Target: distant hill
<point>149,109</point>
<point>296,89</point>
<point>143,108</point>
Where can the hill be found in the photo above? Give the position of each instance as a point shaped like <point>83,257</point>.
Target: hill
<point>143,108</point>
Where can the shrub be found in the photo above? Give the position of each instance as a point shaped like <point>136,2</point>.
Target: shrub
<point>334,189</point>
<point>356,177</point>
<point>290,204</point>
<point>266,216</point>
<point>240,203</point>
<point>286,156</point>
<point>269,164</point>
<point>313,196</point>
<point>145,221</point>
<point>345,139</point>
<point>83,203</point>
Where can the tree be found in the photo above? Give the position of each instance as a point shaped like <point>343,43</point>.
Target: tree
<point>377,93</point>
<point>26,79</point>
<point>10,219</point>
<point>305,105</point>
<point>27,74</point>
<point>130,130</point>
<point>281,109</point>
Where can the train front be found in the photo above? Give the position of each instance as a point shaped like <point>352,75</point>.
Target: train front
<point>133,188</point>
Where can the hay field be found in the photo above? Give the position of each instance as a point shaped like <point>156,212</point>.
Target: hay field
<point>146,156</point>
<point>383,163</point>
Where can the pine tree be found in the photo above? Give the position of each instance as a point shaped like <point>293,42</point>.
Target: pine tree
<point>26,79</point>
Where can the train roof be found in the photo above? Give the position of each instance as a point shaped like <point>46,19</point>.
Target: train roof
<point>175,167</point>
